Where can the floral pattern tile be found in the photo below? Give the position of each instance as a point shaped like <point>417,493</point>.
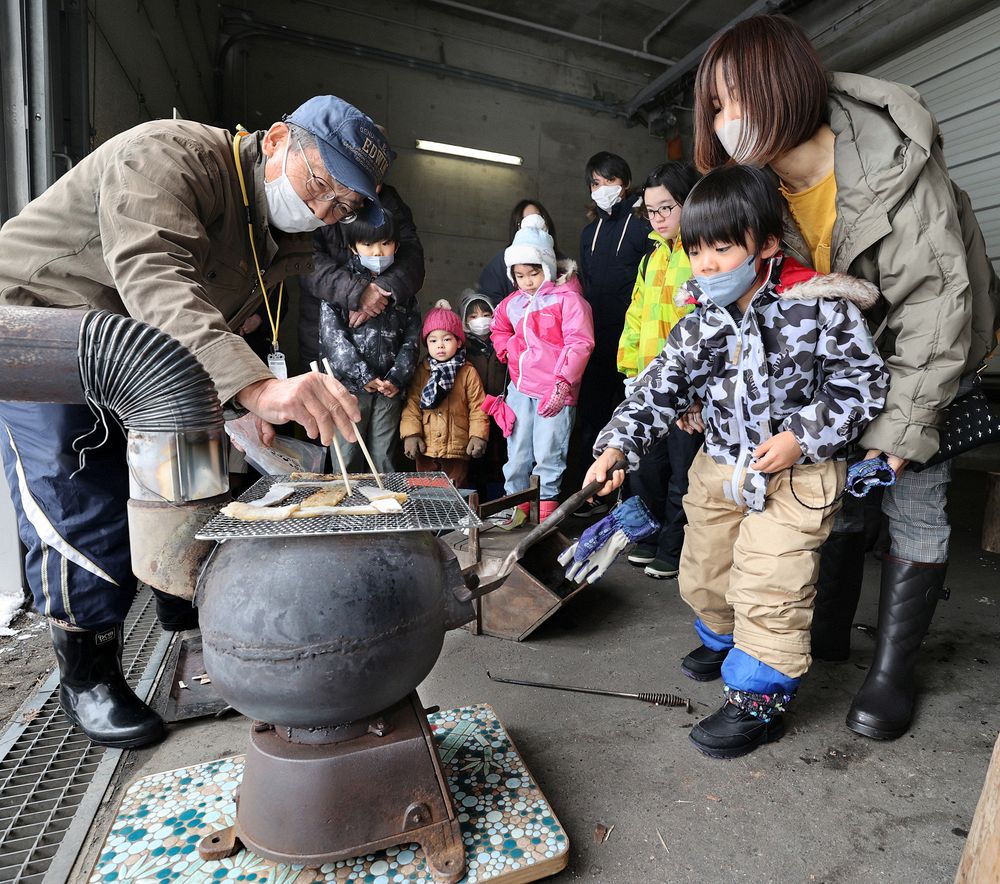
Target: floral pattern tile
<point>507,825</point>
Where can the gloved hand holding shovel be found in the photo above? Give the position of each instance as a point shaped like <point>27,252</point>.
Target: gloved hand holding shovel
<point>602,542</point>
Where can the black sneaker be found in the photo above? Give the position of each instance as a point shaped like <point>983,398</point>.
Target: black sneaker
<point>596,507</point>
<point>731,732</point>
<point>660,569</point>
<point>643,554</point>
<point>703,664</point>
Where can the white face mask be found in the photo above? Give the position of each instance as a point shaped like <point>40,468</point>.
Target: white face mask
<point>480,325</point>
<point>376,263</point>
<point>286,210</point>
<point>607,196</point>
<point>731,133</point>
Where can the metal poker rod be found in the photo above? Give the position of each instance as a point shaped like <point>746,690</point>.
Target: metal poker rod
<point>655,699</point>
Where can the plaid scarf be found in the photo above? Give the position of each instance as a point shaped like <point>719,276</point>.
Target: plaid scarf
<point>442,379</point>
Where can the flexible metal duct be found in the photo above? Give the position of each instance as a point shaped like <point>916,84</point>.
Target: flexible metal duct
<point>177,447</point>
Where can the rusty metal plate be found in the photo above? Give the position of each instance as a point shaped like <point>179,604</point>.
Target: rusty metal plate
<point>198,698</point>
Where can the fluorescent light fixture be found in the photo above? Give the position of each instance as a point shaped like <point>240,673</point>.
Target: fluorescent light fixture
<point>471,152</point>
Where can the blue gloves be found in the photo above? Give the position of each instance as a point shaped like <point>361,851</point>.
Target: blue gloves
<point>600,544</point>
<point>865,475</point>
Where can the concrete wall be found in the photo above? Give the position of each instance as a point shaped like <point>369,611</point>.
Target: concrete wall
<point>148,58</point>
<point>461,206</point>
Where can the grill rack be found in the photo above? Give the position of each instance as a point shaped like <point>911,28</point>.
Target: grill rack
<point>433,504</point>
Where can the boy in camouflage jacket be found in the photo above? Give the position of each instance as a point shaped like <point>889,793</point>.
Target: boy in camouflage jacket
<point>785,369</point>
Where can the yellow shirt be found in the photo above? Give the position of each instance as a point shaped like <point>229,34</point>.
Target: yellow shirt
<point>815,210</point>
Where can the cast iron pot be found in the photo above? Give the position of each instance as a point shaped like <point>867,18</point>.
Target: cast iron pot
<point>317,631</point>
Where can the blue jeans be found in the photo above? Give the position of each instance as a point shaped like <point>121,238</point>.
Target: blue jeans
<point>537,444</point>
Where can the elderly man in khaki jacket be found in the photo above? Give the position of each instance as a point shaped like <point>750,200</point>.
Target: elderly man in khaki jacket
<point>154,224</point>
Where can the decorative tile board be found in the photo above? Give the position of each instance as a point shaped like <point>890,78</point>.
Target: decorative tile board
<point>510,832</point>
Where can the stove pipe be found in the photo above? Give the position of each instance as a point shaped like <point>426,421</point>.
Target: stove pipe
<point>177,446</point>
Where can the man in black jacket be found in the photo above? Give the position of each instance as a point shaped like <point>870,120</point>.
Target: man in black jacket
<point>332,280</point>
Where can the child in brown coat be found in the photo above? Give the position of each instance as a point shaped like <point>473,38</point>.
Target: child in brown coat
<point>442,424</point>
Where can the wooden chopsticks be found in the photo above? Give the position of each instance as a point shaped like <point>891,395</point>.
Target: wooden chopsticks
<point>361,442</point>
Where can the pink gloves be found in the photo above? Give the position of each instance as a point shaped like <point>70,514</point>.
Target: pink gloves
<point>552,404</point>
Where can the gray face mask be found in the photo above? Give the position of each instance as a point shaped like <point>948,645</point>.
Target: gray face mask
<point>727,288</point>
<point>376,263</point>
<point>286,210</point>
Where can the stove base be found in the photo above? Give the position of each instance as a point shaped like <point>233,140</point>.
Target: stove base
<point>299,803</point>
<point>508,830</point>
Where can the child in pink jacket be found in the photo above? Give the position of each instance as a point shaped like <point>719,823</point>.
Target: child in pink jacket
<point>544,332</point>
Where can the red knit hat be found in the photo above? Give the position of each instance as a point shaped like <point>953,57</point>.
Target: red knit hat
<point>442,317</point>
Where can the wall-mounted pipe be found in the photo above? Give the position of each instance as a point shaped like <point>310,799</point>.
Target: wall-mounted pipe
<point>664,23</point>
<point>555,32</point>
<point>167,402</point>
<point>238,26</point>
<point>689,62</point>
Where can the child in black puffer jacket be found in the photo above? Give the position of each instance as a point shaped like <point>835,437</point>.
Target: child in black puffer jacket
<point>376,359</point>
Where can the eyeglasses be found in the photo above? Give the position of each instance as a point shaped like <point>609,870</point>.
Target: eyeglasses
<point>320,189</point>
<point>663,212</point>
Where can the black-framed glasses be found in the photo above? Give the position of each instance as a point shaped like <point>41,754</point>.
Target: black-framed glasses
<point>663,212</point>
<point>320,189</point>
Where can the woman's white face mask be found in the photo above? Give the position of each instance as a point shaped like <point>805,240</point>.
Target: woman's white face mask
<point>731,132</point>
<point>286,210</point>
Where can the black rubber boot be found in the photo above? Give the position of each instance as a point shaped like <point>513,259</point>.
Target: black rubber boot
<point>731,732</point>
<point>94,694</point>
<point>174,613</point>
<point>838,588</point>
<point>703,664</point>
<point>910,591</point>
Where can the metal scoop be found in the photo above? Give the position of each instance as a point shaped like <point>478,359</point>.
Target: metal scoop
<point>480,580</point>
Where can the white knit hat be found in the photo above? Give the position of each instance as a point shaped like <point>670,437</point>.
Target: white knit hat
<point>532,245</point>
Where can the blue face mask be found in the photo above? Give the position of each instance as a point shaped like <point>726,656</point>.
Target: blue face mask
<point>727,288</point>
<point>376,263</point>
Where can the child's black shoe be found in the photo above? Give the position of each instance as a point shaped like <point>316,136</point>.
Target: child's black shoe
<point>703,664</point>
<point>731,732</point>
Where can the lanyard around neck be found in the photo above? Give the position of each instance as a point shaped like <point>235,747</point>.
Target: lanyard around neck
<point>272,318</point>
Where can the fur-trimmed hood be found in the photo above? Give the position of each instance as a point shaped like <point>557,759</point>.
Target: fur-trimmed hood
<point>833,285</point>
<point>566,268</point>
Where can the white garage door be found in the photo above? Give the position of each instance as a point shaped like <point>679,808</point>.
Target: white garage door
<point>958,75</point>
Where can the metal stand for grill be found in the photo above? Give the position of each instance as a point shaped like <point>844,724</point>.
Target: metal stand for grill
<point>325,794</point>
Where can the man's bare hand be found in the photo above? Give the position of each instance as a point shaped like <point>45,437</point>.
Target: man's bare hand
<point>372,302</point>
<point>318,402</point>
<point>389,389</point>
<point>250,325</point>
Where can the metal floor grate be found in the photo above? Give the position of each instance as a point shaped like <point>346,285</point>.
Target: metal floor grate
<point>52,778</point>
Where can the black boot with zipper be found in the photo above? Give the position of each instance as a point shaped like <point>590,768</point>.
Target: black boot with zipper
<point>838,588</point>
<point>93,691</point>
<point>883,708</point>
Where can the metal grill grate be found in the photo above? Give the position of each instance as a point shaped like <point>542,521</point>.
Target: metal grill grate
<point>432,504</point>
<point>52,778</point>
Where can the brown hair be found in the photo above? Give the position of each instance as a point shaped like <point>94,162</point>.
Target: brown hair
<point>769,64</point>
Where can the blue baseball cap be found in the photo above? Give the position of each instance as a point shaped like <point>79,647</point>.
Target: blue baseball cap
<point>352,147</point>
